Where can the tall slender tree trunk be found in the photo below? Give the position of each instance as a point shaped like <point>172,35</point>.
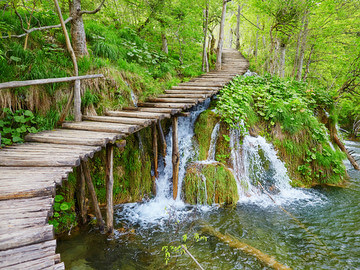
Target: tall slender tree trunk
<point>237,30</point>
<point>256,39</point>
<point>307,69</point>
<point>296,59</point>
<point>302,50</point>
<point>221,37</point>
<point>282,50</point>
<point>164,48</point>
<point>77,29</point>
<point>205,61</point>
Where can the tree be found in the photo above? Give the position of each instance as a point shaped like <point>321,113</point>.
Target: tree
<point>221,36</point>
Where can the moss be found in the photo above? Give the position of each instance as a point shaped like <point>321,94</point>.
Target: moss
<point>204,126</point>
<point>220,185</point>
<point>223,150</point>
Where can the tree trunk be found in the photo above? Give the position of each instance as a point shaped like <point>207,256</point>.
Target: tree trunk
<point>302,51</point>
<point>77,29</point>
<point>77,95</point>
<point>282,60</point>
<point>164,48</point>
<point>237,30</point>
<point>257,39</point>
<point>205,61</point>
<point>307,69</point>
<point>296,59</point>
<point>221,37</point>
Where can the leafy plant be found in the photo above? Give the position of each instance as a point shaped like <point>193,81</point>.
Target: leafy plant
<point>64,217</point>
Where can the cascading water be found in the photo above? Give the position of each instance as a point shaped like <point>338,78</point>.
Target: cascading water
<point>159,207</point>
<point>213,140</point>
<point>257,167</point>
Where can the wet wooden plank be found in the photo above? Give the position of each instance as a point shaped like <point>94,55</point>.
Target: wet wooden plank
<point>171,111</point>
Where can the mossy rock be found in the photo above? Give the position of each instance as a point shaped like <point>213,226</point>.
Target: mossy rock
<point>204,126</point>
<point>209,184</point>
<point>223,150</point>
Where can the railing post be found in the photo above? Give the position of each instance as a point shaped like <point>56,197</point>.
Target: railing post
<point>77,101</point>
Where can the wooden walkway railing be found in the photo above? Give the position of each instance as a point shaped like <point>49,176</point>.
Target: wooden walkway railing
<point>29,172</point>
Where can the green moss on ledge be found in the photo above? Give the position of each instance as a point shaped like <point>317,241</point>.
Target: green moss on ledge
<point>209,184</point>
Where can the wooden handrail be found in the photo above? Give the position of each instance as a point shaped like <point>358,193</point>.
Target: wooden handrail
<point>14,84</point>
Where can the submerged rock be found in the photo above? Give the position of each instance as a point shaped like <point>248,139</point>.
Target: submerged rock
<point>209,183</point>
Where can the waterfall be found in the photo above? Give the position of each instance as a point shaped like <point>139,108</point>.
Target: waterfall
<point>256,166</point>
<point>213,140</point>
<point>159,207</point>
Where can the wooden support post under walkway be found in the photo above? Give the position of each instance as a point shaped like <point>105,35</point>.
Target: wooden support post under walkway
<point>81,194</point>
<point>109,169</point>
<point>155,153</point>
<point>175,156</point>
<point>86,170</point>
<point>162,138</point>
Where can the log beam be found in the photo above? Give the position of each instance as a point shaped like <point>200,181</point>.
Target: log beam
<point>86,170</point>
<point>162,138</point>
<point>81,195</point>
<point>109,188</point>
<point>175,156</point>
<point>155,152</point>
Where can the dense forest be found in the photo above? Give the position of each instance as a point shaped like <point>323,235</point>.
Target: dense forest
<point>147,46</point>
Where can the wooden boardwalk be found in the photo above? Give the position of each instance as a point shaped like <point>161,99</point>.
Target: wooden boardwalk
<point>29,172</point>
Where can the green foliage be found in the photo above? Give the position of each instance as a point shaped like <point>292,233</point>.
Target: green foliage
<point>210,184</point>
<point>15,125</point>
<point>64,216</point>
<point>204,126</point>
<point>286,109</point>
<point>173,250</point>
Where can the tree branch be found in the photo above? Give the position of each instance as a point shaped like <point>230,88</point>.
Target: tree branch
<point>92,11</point>
<point>251,22</point>
<point>37,29</point>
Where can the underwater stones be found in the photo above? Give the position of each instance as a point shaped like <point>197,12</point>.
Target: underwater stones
<point>209,183</point>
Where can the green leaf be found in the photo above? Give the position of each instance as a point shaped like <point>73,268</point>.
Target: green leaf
<point>64,206</point>
<point>16,139</point>
<point>59,198</point>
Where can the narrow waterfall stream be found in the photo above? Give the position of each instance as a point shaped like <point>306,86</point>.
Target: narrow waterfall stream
<point>142,229</point>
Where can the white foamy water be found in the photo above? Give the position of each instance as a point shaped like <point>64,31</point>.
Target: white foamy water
<point>257,167</point>
<point>213,140</point>
<point>163,205</point>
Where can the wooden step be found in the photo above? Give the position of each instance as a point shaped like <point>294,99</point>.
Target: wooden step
<point>173,100</point>
<point>166,105</point>
<point>196,88</point>
<point>138,114</point>
<point>121,120</point>
<point>101,127</point>
<point>181,95</point>
<point>75,137</point>
<point>171,111</point>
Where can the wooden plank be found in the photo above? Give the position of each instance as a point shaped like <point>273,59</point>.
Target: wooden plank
<point>205,92</point>
<point>195,87</point>
<point>174,100</point>
<point>138,114</point>
<point>102,127</point>
<point>166,105</point>
<point>171,111</point>
<point>121,120</point>
<point>26,237</point>
<point>205,84</point>
<point>14,84</point>
<point>75,137</point>
<point>15,257</point>
<point>184,95</point>
<point>38,161</point>
<point>28,193</point>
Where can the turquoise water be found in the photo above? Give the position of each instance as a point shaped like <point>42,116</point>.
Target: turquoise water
<point>331,214</point>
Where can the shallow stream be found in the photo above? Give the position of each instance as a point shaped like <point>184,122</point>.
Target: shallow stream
<point>331,215</point>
